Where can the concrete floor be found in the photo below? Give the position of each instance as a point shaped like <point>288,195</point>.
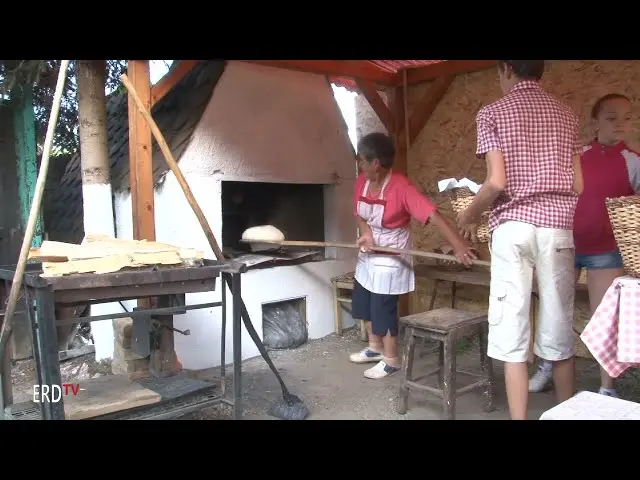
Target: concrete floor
<point>335,389</point>
<point>320,373</point>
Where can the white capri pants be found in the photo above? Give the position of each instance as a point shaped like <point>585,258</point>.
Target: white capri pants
<point>516,248</point>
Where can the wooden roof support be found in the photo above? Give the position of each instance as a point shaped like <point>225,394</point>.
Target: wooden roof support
<point>376,102</point>
<point>171,79</point>
<point>427,105</point>
<point>162,361</point>
<point>335,68</point>
<point>400,164</point>
<point>140,154</point>
<point>441,69</point>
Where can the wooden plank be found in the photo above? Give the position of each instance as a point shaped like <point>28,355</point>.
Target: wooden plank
<point>171,79</point>
<point>140,155</point>
<point>427,105</point>
<point>370,92</point>
<point>448,67</point>
<point>335,68</point>
<point>104,395</point>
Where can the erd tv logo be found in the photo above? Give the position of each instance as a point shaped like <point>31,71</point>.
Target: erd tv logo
<point>53,393</point>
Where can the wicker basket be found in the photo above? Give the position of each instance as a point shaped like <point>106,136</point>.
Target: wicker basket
<point>624,215</point>
<point>461,198</point>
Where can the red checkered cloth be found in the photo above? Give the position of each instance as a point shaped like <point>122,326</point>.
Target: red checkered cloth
<point>613,333</point>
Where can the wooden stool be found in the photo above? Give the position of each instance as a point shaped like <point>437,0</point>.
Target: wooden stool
<point>342,291</point>
<point>445,325</point>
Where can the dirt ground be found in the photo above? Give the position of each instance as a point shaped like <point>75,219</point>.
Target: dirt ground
<point>319,372</point>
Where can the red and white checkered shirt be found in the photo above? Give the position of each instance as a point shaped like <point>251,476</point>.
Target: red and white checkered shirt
<point>538,137</point>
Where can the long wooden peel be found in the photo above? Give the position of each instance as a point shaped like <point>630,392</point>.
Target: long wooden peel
<point>415,253</point>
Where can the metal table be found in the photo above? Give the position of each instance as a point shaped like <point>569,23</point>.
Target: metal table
<point>154,282</point>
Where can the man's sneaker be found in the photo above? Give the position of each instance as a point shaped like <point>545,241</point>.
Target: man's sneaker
<point>381,370</point>
<point>541,381</point>
<point>608,392</point>
<point>365,356</point>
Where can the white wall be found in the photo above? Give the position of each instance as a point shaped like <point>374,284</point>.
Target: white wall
<point>262,124</point>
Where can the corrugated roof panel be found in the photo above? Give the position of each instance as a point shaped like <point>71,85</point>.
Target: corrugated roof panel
<point>393,66</point>
<point>389,66</point>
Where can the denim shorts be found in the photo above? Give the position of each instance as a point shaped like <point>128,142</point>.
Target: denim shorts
<point>602,260</point>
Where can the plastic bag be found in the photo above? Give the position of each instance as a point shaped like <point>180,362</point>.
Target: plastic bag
<point>284,326</point>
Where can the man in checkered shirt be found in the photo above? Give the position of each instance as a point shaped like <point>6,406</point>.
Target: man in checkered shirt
<point>529,141</point>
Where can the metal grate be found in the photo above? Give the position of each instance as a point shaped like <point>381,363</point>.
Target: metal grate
<point>169,409</point>
<point>170,388</point>
<point>23,411</point>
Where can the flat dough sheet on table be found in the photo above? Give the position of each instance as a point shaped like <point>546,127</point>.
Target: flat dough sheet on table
<point>593,406</point>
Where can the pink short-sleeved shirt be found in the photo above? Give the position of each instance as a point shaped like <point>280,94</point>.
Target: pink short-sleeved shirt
<point>402,201</point>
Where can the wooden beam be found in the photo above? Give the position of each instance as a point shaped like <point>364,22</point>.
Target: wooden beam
<point>396,106</point>
<point>370,92</point>
<point>171,79</point>
<point>427,105</point>
<point>335,68</point>
<point>140,153</point>
<point>447,67</point>
<point>163,361</point>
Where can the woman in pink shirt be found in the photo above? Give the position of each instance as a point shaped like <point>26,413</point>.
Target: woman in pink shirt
<point>610,169</point>
<point>384,202</point>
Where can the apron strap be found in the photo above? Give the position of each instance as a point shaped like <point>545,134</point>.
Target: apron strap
<point>384,186</point>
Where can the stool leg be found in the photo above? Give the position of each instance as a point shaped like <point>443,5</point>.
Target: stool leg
<point>488,368</point>
<point>440,363</point>
<point>482,340</point>
<point>449,377</point>
<point>364,335</point>
<point>432,302</point>
<point>337,310</point>
<point>453,294</point>
<point>434,293</point>
<point>407,367</point>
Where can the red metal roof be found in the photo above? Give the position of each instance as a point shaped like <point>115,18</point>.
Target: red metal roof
<point>382,73</point>
<point>393,66</point>
<point>388,66</point>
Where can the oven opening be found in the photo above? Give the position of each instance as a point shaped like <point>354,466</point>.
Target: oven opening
<point>295,209</point>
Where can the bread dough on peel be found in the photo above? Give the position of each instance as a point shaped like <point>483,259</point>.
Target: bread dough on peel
<point>267,233</point>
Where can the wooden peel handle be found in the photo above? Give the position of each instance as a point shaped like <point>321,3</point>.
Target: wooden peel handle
<point>415,253</point>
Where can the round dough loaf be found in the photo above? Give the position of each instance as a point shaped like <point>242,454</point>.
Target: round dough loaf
<point>263,232</point>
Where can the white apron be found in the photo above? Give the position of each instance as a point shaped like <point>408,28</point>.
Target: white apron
<point>387,274</point>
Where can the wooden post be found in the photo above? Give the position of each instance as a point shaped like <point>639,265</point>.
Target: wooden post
<point>163,361</point>
<point>396,106</point>
<point>140,154</point>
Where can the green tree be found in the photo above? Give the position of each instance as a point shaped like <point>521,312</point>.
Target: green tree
<point>42,76</point>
